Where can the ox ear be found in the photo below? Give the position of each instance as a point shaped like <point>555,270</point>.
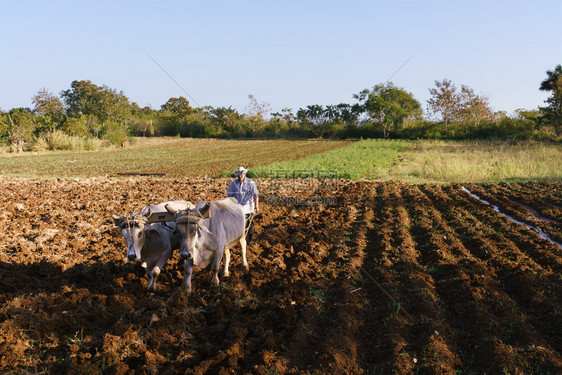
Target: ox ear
<point>203,227</point>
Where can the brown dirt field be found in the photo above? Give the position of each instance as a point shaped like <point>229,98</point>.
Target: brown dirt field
<point>395,278</point>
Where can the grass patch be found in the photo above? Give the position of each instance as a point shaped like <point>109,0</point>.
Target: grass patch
<point>428,161</point>
<point>59,140</point>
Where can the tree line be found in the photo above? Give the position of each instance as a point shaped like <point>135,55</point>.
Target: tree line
<point>87,110</point>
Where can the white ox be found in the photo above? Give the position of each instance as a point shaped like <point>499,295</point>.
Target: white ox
<point>152,243</point>
<point>207,231</point>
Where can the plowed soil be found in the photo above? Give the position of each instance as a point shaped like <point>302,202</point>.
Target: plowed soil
<point>354,277</point>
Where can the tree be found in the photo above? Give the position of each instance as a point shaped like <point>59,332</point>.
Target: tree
<point>3,123</point>
<point>226,119</point>
<point>177,106</point>
<point>346,113</point>
<point>142,127</point>
<point>389,106</point>
<point>285,115</point>
<point>21,126</point>
<point>76,126</point>
<point>99,104</point>
<point>524,114</point>
<point>115,105</point>
<point>552,81</point>
<point>257,109</point>
<point>473,108</point>
<point>283,123</point>
<point>314,119</point>
<point>256,113</point>
<point>83,98</point>
<point>47,103</point>
<point>50,107</point>
<point>454,106</point>
<point>329,121</point>
<point>444,100</point>
<point>553,111</point>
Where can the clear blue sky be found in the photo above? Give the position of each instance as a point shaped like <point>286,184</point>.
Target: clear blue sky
<point>287,53</point>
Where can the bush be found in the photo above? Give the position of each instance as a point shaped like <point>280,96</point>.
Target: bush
<point>58,140</point>
<point>76,126</point>
<point>91,144</point>
<point>505,128</point>
<point>115,133</point>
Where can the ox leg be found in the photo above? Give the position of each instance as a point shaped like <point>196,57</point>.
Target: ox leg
<point>215,282</point>
<point>244,260</point>
<point>150,281</point>
<point>226,262</point>
<point>186,285</point>
<point>149,272</point>
<point>155,274</point>
<point>216,265</point>
<point>158,268</point>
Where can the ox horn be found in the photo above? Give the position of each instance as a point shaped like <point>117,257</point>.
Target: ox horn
<point>117,219</point>
<point>203,228</point>
<point>146,215</point>
<point>205,211</point>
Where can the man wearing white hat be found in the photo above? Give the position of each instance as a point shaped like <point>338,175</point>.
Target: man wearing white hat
<point>246,193</point>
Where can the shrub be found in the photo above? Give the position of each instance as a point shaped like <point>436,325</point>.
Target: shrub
<point>76,126</point>
<point>58,140</point>
<point>115,133</point>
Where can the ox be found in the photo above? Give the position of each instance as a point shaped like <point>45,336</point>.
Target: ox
<point>207,231</point>
<point>152,243</point>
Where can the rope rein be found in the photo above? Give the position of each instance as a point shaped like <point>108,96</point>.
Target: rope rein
<point>249,221</point>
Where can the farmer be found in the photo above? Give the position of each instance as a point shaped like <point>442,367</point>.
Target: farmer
<point>246,193</point>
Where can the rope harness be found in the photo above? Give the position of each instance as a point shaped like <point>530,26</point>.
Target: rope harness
<point>131,220</point>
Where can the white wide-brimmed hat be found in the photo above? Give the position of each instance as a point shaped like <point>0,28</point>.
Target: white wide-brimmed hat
<point>240,170</point>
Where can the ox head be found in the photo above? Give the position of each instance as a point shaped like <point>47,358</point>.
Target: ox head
<point>189,223</point>
<point>132,227</point>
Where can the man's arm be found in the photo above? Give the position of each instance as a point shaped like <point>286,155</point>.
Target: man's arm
<point>256,194</point>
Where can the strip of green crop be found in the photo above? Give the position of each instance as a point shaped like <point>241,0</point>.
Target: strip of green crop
<point>352,161</point>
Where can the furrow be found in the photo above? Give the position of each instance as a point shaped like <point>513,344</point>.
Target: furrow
<point>538,199</point>
<point>434,331</point>
<point>386,260</point>
<point>507,297</point>
<point>522,214</point>
<point>346,305</point>
<point>476,304</point>
<point>514,241</point>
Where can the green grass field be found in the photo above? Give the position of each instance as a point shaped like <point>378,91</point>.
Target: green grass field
<point>409,161</point>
